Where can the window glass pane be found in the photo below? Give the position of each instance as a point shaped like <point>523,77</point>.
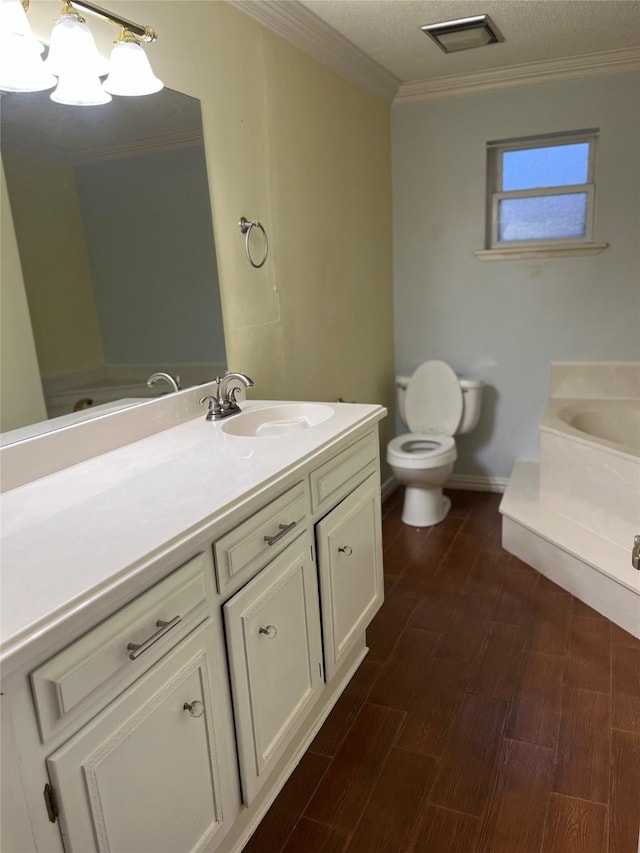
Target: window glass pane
<point>555,166</point>
<point>554,217</point>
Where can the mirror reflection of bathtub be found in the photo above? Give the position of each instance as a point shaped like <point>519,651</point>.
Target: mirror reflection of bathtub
<point>113,223</point>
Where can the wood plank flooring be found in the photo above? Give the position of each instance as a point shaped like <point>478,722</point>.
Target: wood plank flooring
<point>495,713</point>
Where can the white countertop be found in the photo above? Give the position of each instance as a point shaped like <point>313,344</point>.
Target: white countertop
<point>71,539</point>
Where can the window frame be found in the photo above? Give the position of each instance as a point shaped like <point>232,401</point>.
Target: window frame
<point>497,148</point>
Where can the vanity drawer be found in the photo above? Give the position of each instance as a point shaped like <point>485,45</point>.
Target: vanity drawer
<point>252,544</point>
<point>79,681</point>
<point>333,481</point>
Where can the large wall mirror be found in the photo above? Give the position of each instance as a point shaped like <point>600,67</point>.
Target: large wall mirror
<point>113,223</point>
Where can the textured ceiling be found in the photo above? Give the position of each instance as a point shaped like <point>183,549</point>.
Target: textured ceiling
<point>388,31</point>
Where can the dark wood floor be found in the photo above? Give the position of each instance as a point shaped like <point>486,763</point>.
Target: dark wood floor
<point>495,713</point>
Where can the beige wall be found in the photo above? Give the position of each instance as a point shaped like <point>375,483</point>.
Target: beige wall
<point>22,401</point>
<point>294,145</point>
<point>55,264</point>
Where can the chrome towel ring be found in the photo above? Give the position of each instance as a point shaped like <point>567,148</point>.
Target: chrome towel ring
<point>246,227</point>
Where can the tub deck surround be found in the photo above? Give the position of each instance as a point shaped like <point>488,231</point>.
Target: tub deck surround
<point>574,515</point>
<point>82,541</point>
<point>586,564</point>
<point>595,380</point>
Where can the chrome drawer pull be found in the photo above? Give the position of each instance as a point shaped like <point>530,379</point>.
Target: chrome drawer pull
<point>270,631</point>
<point>137,649</point>
<point>347,550</point>
<point>284,528</point>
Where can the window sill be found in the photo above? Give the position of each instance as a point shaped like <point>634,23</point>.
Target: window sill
<point>523,253</point>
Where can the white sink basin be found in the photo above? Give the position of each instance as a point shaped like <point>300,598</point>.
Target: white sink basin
<point>277,420</point>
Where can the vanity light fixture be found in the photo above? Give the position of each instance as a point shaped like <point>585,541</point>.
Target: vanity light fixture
<point>130,72</point>
<point>463,33</point>
<point>73,57</point>
<point>21,66</point>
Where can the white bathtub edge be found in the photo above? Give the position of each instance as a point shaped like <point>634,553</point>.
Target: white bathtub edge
<point>568,554</point>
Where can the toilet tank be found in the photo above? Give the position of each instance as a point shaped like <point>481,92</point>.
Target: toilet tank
<point>471,399</point>
<point>401,387</point>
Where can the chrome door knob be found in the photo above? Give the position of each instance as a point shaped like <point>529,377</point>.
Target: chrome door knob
<point>195,708</point>
<point>269,632</point>
<point>347,550</point>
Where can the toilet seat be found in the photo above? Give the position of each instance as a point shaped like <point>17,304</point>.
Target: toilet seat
<point>433,401</point>
<point>421,450</point>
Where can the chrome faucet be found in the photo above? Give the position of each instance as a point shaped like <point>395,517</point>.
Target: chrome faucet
<point>223,403</point>
<point>174,381</point>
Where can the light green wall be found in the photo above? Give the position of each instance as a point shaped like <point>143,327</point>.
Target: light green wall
<point>307,153</point>
<point>55,266</point>
<point>22,401</point>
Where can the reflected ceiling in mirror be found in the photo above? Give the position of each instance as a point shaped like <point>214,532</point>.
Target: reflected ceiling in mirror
<point>113,223</point>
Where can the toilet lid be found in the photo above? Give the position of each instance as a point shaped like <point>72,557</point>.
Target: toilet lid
<point>433,401</point>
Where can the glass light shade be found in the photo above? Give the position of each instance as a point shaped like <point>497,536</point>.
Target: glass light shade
<point>73,49</point>
<point>130,72</point>
<point>464,39</point>
<point>13,21</point>
<point>21,66</point>
<point>80,90</point>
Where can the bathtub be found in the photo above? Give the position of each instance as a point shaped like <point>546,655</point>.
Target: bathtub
<point>612,423</point>
<point>574,514</point>
<point>590,464</point>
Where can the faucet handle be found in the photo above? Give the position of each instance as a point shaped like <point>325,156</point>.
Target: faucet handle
<point>214,406</point>
<point>231,394</point>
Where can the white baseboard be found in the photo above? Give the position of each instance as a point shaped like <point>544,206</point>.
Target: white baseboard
<point>457,481</point>
<point>388,488</point>
<point>477,484</point>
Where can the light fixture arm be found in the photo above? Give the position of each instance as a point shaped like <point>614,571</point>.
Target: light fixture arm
<point>142,32</point>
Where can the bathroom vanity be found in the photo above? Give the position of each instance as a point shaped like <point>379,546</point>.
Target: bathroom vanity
<point>179,615</point>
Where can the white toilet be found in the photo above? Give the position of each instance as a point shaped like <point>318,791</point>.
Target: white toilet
<point>436,405</point>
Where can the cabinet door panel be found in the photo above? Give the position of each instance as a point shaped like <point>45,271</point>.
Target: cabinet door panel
<point>273,634</point>
<point>144,774</point>
<point>350,565</point>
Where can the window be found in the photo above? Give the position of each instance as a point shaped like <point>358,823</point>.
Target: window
<point>541,193</point>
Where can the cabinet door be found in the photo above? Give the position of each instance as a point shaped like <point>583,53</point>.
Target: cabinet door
<point>145,775</point>
<point>275,657</point>
<point>349,541</point>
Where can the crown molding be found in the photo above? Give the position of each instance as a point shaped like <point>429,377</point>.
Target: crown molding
<point>527,74</point>
<point>295,23</point>
<point>114,151</point>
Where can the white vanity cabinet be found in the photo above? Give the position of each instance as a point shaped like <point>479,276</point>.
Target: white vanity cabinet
<point>166,707</point>
<point>145,775</point>
<point>275,659</point>
<point>349,543</point>
<point>135,729</point>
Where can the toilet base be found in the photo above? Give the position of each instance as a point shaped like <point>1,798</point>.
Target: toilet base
<point>424,507</point>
